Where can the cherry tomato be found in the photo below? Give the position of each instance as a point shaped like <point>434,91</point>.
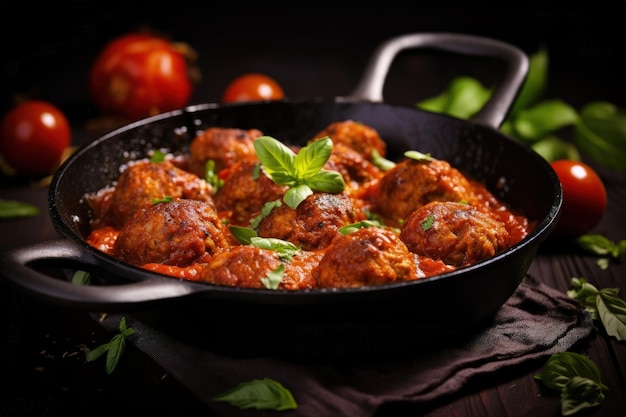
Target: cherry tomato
<point>584,197</point>
<point>33,137</point>
<point>252,87</point>
<point>138,75</point>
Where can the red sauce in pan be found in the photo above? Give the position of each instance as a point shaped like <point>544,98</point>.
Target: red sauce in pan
<point>424,217</point>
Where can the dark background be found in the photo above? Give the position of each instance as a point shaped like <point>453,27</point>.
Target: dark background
<point>311,48</point>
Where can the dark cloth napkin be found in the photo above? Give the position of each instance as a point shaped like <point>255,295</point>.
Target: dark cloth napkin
<point>534,323</point>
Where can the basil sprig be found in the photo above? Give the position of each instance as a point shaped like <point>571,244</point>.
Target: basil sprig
<point>302,172</point>
<point>114,348</point>
<point>577,378</point>
<point>262,394</point>
<point>599,128</point>
<point>602,304</point>
<point>602,246</point>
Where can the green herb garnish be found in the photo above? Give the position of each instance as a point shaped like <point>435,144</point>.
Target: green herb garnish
<point>262,394</point>
<point>302,172</point>
<point>577,378</point>
<point>428,222</point>
<point>211,176</point>
<point>608,250</point>
<point>165,199</point>
<point>114,348</point>
<point>15,209</point>
<point>418,156</point>
<point>602,304</point>
<point>81,278</point>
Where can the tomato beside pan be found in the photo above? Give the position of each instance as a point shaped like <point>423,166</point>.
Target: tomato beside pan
<point>252,87</point>
<point>33,137</point>
<point>584,197</point>
<point>138,75</point>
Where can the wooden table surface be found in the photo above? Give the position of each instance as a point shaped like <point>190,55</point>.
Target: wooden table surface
<point>312,54</point>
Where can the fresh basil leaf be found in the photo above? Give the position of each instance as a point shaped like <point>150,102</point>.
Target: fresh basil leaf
<point>586,294</point>
<point>116,349</point>
<point>96,352</point>
<point>353,227</point>
<point>273,278</point>
<point>535,83</point>
<point>276,158</point>
<point>16,209</point>
<point>266,209</point>
<point>418,156</point>
<point>81,278</point>
<point>326,182</point>
<point>285,248</point>
<point>601,133</point>
<point>580,393</point>
<point>436,104</point>
<point>612,312</point>
<point>598,244</point>
<point>242,234</point>
<point>157,156</point>
<point>262,394</point>
<point>552,148</point>
<point>561,367</point>
<point>312,158</point>
<point>533,123</point>
<point>466,96</point>
<point>296,195</point>
<point>381,162</point>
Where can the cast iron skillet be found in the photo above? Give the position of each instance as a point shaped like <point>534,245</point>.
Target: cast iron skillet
<point>444,303</point>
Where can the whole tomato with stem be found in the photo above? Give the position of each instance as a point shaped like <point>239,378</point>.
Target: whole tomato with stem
<point>584,197</point>
<point>137,75</point>
<point>33,137</point>
<point>252,86</point>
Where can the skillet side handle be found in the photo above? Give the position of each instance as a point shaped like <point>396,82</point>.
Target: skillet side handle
<point>15,268</point>
<point>370,87</point>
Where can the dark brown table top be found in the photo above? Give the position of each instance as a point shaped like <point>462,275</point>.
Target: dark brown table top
<point>313,54</point>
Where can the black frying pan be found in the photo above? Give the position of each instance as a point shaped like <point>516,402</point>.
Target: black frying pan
<point>444,303</point>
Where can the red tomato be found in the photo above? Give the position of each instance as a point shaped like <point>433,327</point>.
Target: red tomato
<point>33,137</point>
<point>139,75</point>
<point>584,197</point>
<point>252,87</point>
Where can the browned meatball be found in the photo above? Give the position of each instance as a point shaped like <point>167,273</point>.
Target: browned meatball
<point>244,192</point>
<point>455,233</point>
<point>411,184</point>
<point>179,232</point>
<point>368,256</point>
<point>362,138</point>
<point>224,146</point>
<point>144,181</point>
<point>313,224</point>
<point>357,172</point>
<point>246,266</point>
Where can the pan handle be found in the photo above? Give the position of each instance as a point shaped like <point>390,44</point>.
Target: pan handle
<point>370,87</point>
<point>16,268</point>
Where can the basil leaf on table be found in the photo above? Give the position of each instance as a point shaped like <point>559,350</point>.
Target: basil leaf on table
<point>262,394</point>
<point>463,98</point>
<point>577,378</point>
<point>10,209</point>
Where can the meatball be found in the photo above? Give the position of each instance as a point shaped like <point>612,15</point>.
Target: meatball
<point>360,137</point>
<point>244,192</point>
<point>313,224</point>
<point>246,266</point>
<point>179,233</point>
<point>142,182</point>
<point>367,256</point>
<point>357,172</point>
<point>411,184</point>
<point>224,146</point>
<point>455,233</point>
